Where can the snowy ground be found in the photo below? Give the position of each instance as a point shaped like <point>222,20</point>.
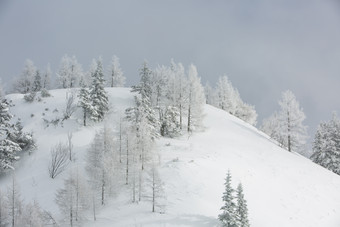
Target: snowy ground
<point>282,188</point>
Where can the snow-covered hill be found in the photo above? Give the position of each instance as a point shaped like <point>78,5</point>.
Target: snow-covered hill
<point>282,188</point>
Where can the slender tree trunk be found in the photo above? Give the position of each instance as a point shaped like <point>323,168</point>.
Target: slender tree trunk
<point>84,116</point>
<point>189,119</point>
<point>153,191</point>
<point>94,207</point>
<point>120,140</point>
<point>127,161</point>
<point>288,125</point>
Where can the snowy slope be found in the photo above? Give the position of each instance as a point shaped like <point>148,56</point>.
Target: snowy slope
<point>282,188</point>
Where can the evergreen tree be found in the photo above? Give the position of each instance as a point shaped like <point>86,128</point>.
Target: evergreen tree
<point>8,148</point>
<point>37,82</point>
<point>326,145</point>
<point>116,77</point>
<point>98,95</point>
<point>228,216</point>
<point>241,208</point>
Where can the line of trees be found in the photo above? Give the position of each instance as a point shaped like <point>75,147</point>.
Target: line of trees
<point>69,75</point>
<point>226,97</point>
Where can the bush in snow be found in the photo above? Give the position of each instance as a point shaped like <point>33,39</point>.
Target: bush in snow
<point>30,97</point>
<point>59,160</point>
<point>44,93</point>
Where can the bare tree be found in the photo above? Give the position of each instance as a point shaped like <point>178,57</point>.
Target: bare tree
<point>70,145</point>
<point>59,160</point>
<point>70,105</point>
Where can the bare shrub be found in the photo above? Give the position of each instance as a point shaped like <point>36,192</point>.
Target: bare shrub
<point>59,160</point>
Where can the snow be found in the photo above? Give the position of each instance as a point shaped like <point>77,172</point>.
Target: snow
<point>281,188</point>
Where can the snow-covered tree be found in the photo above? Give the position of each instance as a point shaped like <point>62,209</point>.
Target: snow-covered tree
<point>85,102</point>
<point>326,145</point>
<point>4,219</point>
<point>196,99</point>
<point>14,202</point>
<point>210,95</point>
<point>246,112</point>
<point>116,77</point>
<point>24,83</point>
<point>36,86</point>
<point>8,148</point>
<point>228,96</point>
<point>178,84</point>
<point>72,199</point>
<point>98,95</point>
<point>46,80</point>
<point>23,139</point>
<point>33,215</point>
<point>291,117</point>
<point>157,188</point>
<point>170,125</point>
<point>241,208</point>
<point>70,72</point>
<point>228,215</point>
<point>100,164</point>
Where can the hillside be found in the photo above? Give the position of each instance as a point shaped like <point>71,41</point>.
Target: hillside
<point>282,188</point>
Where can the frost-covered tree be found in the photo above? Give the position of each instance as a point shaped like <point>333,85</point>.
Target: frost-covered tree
<point>170,125</point>
<point>14,202</point>
<point>291,117</point>
<point>196,99</point>
<point>36,86</point>
<point>72,199</point>
<point>246,112</point>
<point>100,164</point>
<point>210,95</point>
<point>33,215</point>
<point>70,72</point>
<point>4,219</point>
<point>228,215</point>
<point>8,148</point>
<point>24,83</point>
<point>157,188</point>
<point>23,139</point>
<point>228,97</point>
<point>85,102</point>
<point>178,85</point>
<point>46,79</point>
<point>326,145</point>
<point>116,77</point>
<point>241,208</point>
<point>98,95</point>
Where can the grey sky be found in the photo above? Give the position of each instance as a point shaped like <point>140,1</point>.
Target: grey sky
<point>265,47</point>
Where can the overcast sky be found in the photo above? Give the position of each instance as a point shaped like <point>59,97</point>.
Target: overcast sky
<point>264,47</point>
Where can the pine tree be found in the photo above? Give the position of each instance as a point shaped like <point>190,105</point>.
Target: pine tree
<point>8,148</point>
<point>326,145</point>
<point>116,77</point>
<point>241,208</point>
<point>228,216</point>
<point>14,202</point>
<point>98,95</point>
<point>37,82</point>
